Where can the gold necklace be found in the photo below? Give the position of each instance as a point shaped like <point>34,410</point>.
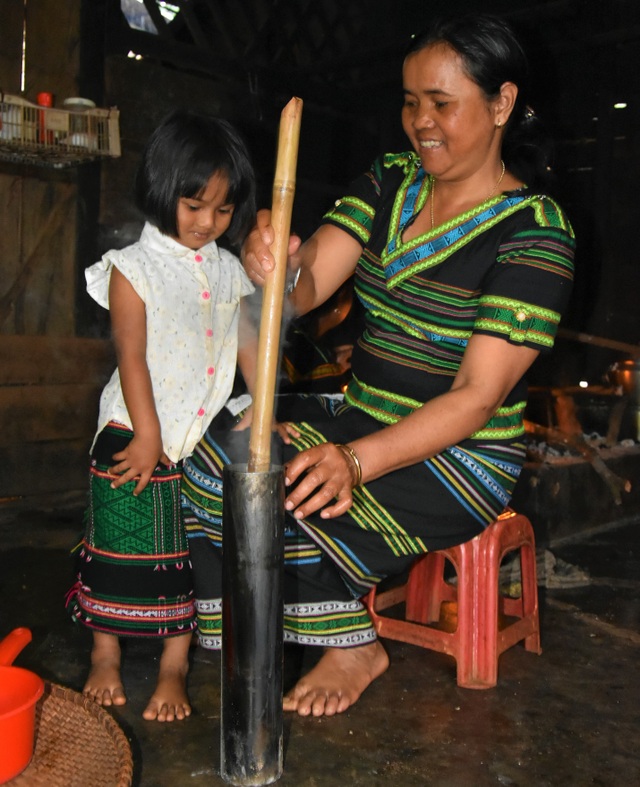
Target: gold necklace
<point>489,195</point>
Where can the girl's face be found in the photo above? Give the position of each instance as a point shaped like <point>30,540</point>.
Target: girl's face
<point>204,218</point>
<point>448,119</point>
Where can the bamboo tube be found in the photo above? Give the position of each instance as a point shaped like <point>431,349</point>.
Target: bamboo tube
<point>251,716</point>
<point>271,319</point>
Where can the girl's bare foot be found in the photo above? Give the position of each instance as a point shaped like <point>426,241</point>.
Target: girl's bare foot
<point>337,680</point>
<point>170,701</point>
<point>104,684</point>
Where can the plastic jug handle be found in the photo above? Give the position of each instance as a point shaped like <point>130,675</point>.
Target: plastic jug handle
<point>12,644</point>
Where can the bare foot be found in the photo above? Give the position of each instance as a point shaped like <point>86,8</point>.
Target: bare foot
<point>337,680</point>
<point>170,701</point>
<point>104,684</point>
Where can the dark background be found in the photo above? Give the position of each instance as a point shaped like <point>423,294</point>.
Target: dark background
<point>245,59</point>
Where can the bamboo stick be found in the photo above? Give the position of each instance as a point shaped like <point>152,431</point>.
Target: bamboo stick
<point>599,341</point>
<point>271,319</point>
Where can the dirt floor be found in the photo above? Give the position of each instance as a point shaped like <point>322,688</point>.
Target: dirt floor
<point>568,717</point>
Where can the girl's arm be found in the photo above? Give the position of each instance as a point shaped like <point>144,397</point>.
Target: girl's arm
<point>491,367</point>
<point>129,329</point>
<point>247,347</point>
<point>247,358</point>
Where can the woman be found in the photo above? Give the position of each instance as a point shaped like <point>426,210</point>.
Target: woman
<point>463,268</point>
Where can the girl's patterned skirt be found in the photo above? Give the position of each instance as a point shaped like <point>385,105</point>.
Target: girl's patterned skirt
<point>133,568</point>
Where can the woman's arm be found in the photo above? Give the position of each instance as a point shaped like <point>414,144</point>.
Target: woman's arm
<point>491,367</point>
<point>129,329</point>
<point>326,260</point>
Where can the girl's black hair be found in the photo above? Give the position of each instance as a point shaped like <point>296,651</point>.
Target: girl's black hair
<point>492,55</point>
<point>180,157</point>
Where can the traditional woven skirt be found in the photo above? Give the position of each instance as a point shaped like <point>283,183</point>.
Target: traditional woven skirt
<point>331,563</point>
<point>134,574</point>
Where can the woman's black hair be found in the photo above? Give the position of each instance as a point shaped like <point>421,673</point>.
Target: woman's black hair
<point>180,157</point>
<point>492,55</point>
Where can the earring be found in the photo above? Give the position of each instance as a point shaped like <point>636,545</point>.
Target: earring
<point>498,124</point>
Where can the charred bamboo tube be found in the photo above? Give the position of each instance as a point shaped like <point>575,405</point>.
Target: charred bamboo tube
<point>271,318</point>
<point>251,743</point>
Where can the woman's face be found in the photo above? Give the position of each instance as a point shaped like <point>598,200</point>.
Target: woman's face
<point>449,121</point>
<point>204,218</point>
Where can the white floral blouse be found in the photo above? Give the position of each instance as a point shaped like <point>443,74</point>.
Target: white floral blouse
<point>192,301</point>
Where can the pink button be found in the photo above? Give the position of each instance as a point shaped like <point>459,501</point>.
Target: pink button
<point>198,258</point>
<point>201,412</point>
<point>206,295</point>
<point>209,332</point>
<point>210,370</point>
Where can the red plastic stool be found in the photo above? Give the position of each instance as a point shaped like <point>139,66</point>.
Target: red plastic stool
<point>477,641</point>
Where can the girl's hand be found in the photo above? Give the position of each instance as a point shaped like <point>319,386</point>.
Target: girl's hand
<point>283,429</point>
<point>256,255</point>
<point>137,462</point>
<point>286,431</point>
<point>324,473</point>
<point>245,421</point>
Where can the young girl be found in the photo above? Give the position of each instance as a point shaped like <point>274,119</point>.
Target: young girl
<point>176,316</point>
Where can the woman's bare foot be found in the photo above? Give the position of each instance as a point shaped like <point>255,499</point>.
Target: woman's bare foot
<point>337,680</point>
<point>170,701</point>
<point>104,684</point>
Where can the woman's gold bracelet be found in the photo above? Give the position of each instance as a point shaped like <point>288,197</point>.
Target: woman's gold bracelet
<point>354,459</point>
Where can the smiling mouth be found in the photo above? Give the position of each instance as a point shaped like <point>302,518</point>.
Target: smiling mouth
<point>429,143</point>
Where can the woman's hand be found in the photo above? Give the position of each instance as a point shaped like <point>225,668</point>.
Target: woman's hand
<point>256,255</point>
<point>137,462</point>
<point>323,472</point>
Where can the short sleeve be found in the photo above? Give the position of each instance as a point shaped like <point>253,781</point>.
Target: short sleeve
<point>528,288</point>
<point>355,212</point>
<point>98,276</point>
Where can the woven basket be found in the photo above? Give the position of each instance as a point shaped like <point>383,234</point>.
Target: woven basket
<point>77,743</point>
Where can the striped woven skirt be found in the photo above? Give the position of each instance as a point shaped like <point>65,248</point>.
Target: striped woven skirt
<point>133,570</point>
<point>331,564</point>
